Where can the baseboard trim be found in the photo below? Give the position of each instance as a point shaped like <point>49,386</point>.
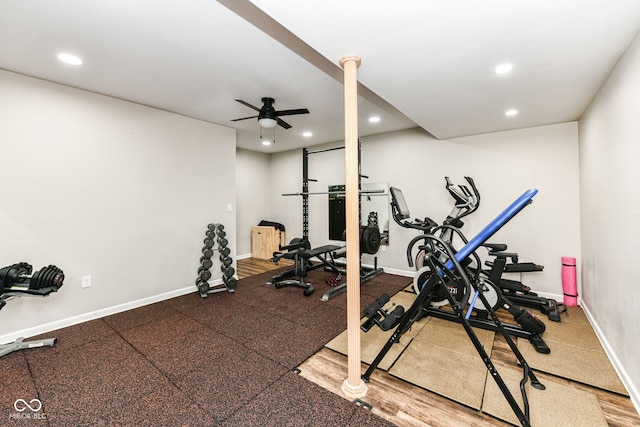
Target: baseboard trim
<point>396,271</point>
<point>97,314</point>
<point>619,368</point>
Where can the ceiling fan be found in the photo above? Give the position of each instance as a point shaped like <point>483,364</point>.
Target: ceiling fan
<point>267,116</point>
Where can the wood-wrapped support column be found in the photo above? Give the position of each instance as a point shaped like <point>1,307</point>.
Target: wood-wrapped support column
<point>353,386</point>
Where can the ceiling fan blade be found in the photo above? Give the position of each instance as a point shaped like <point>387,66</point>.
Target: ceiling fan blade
<point>292,112</point>
<point>283,123</point>
<point>244,118</point>
<point>247,104</point>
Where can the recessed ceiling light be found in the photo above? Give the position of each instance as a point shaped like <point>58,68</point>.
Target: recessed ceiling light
<point>266,142</point>
<point>374,119</point>
<point>67,58</point>
<point>307,134</point>
<point>511,113</point>
<point>503,68</point>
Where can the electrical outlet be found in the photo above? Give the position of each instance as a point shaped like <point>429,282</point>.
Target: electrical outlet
<point>86,281</point>
<point>229,207</point>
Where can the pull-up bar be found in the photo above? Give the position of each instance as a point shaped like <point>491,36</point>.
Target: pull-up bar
<point>325,150</point>
<point>307,193</point>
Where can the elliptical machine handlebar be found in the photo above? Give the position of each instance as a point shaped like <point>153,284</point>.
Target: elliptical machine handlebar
<point>466,201</point>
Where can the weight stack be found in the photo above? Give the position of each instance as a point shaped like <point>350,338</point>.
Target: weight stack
<point>215,234</point>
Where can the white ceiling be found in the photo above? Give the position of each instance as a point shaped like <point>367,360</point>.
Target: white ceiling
<point>424,63</point>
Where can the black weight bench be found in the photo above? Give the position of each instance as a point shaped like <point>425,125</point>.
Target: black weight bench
<point>301,254</point>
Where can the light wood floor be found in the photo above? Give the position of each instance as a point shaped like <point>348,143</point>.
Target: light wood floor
<point>407,405</point>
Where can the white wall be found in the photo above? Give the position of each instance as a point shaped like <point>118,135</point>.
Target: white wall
<point>253,202</point>
<point>610,206</point>
<point>503,164</point>
<point>107,188</point>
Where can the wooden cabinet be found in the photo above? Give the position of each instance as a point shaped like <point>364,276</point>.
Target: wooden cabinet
<point>265,241</point>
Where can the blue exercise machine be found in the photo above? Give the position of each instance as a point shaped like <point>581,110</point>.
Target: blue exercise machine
<point>446,266</point>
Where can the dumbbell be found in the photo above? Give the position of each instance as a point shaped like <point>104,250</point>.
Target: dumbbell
<point>227,271</point>
<point>208,243</point>
<point>210,234</point>
<point>204,274</point>
<point>20,274</point>
<point>225,252</point>
<point>220,227</point>
<point>206,263</point>
<point>222,234</point>
<point>223,242</point>
<point>203,286</point>
<point>212,227</point>
<point>207,252</point>
<point>230,282</point>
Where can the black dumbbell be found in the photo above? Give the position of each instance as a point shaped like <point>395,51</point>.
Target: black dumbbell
<point>206,263</point>
<point>228,271</point>
<point>223,243</point>
<point>225,252</point>
<point>20,274</point>
<point>203,287</point>
<point>208,243</point>
<point>220,227</point>
<point>207,252</point>
<point>205,275</point>
<point>230,282</point>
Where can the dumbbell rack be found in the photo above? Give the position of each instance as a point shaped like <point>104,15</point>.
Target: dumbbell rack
<point>215,234</point>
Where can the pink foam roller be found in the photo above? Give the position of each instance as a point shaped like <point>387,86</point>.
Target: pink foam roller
<point>569,285</point>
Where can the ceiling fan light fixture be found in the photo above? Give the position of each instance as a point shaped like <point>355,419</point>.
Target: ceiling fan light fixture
<point>267,123</point>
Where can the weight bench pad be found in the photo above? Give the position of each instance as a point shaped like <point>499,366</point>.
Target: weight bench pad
<point>318,251</point>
